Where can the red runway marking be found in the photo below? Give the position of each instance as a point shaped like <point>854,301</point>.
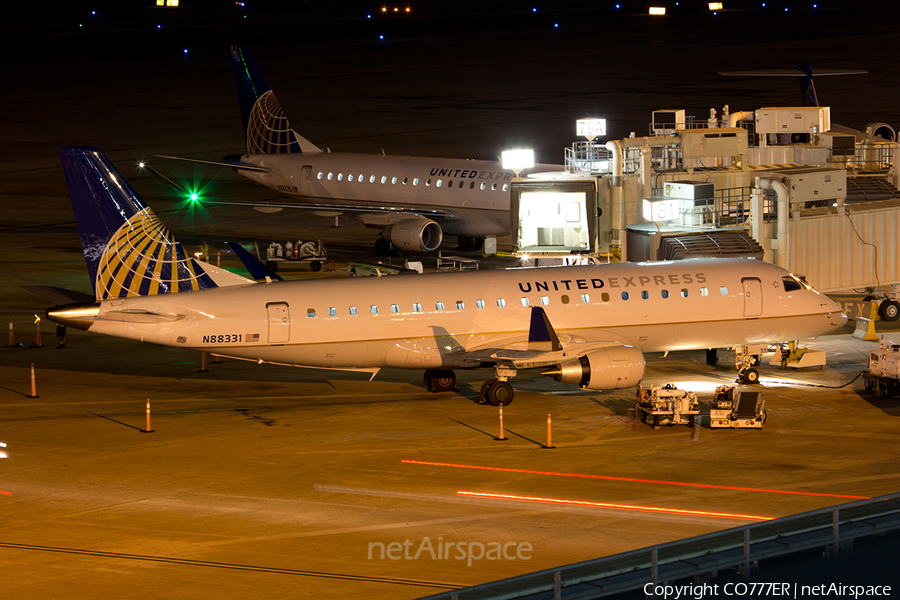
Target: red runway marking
<point>655,509</point>
<point>699,485</point>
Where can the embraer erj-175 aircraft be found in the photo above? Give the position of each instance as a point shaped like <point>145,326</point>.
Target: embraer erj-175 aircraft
<point>586,325</point>
<point>413,200</point>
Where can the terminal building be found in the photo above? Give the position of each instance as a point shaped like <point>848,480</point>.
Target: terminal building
<point>780,184</point>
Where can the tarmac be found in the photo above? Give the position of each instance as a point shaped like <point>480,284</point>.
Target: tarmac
<point>261,480</point>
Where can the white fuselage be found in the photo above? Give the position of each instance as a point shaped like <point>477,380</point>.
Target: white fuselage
<point>444,319</point>
<point>473,193</point>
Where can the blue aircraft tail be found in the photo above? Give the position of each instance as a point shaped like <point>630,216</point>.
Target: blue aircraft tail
<point>129,252</point>
<point>266,127</point>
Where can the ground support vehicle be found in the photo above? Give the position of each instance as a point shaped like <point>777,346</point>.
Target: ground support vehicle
<point>745,410</point>
<point>666,406</point>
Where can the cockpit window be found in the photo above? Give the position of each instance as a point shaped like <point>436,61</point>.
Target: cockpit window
<point>792,284</point>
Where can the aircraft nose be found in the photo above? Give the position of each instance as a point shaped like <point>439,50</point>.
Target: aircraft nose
<point>838,318</point>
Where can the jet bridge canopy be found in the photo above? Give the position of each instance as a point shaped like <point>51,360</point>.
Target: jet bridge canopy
<point>556,216</point>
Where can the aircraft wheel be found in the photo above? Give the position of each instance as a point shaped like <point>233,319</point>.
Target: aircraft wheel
<point>382,247</point>
<point>440,380</point>
<point>712,356</point>
<point>889,310</point>
<point>464,242</point>
<point>476,243</point>
<point>315,266</point>
<point>484,390</point>
<point>499,392</point>
<point>750,376</point>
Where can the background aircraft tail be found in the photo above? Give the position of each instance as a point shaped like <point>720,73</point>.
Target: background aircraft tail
<point>266,127</point>
<point>129,252</point>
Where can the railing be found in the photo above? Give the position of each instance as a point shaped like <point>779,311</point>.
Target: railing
<point>730,206</point>
<point>699,556</point>
<point>588,157</point>
<point>875,158</point>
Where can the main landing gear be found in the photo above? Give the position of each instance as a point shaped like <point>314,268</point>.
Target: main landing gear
<point>385,248</point>
<point>465,242</point>
<point>493,391</point>
<point>440,380</point>
<point>496,392</point>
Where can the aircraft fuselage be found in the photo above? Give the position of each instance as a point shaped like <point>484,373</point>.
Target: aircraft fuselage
<point>441,320</point>
<point>474,193</point>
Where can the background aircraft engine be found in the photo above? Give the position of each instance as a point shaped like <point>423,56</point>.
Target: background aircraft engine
<point>417,234</point>
<point>603,369</point>
<point>882,130</point>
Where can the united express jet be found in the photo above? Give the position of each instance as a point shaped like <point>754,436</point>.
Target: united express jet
<point>585,325</point>
<point>413,200</point>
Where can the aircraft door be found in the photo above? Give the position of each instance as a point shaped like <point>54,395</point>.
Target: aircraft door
<point>279,322</point>
<point>752,297</point>
<point>303,182</point>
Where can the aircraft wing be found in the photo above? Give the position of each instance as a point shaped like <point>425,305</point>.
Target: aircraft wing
<point>58,295</point>
<point>790,72</point>
<point>521,354</point>
<point>231,164</point>
<point>377,213</point>
<point>541,348</point>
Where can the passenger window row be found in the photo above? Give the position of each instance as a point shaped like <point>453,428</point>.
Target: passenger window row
<point>525,301</point>
<point>415,181</point>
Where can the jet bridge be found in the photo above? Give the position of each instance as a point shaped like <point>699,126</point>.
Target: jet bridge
<point>559,215</point>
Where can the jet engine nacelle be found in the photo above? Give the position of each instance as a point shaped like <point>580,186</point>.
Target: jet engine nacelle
<point>417,234</point>
<point>882,130</point>
<point>603,369</point>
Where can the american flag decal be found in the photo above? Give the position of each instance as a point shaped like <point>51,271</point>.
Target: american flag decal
<point>252,337</point>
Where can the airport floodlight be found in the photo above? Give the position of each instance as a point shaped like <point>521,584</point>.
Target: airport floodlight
<point>657,10</point>
<point>715,6</point>
<point>171,2</point>
<point>590,128</point>
<point>516,160</point>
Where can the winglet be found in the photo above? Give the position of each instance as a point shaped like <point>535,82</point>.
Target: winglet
<point>266,127</point>
<point>128,250</point>
<point>541,335</point>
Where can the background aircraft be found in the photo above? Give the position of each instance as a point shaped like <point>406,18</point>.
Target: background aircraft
<point>603,317</point>
<point>804,74</point>
<point>413,200</point>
